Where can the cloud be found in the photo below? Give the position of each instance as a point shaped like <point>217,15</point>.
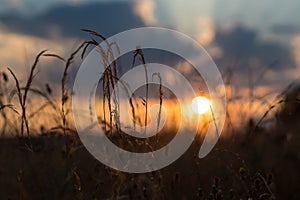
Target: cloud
<point>14,3</point>
<point>184,67</point>
<point>18,51</point>
<point>215,52</point>
<point>243,46</point>
<point>107,18</point>
<point>145,9</point>
<point>14,46</point>
<point>250,63</point>
<point>285,29</point>
<point>205,33</point>
<point>295,42</point>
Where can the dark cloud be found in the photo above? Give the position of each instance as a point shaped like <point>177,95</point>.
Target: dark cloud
<point>285,29</point>
<point>107,18</point>
<point>240,45</point>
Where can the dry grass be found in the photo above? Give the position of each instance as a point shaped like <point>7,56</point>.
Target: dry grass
<point>223,175</point>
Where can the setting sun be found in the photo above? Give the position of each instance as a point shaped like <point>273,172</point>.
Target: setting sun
<point>200,105</point>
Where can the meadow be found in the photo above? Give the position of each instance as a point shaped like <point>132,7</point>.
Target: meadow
<point>42,157</point>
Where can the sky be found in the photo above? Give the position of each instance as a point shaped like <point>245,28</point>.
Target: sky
<point>271,20</point>
<point>258,40</point>
<point>262,15</point>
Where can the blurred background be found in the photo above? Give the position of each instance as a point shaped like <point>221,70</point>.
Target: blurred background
<point>255,45</point>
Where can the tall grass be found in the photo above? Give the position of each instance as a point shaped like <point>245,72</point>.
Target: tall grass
<point>133,185</point>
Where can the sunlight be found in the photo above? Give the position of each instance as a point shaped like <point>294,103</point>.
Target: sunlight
<point>200,104</point>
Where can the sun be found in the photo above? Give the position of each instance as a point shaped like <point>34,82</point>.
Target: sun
<point>200,105</point>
